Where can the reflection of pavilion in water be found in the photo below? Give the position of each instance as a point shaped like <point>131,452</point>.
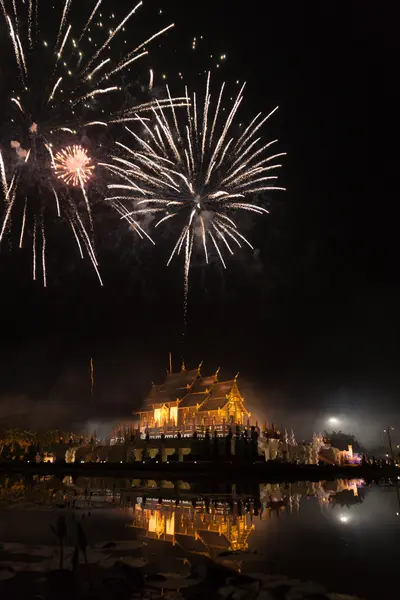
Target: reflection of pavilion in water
<point>212,527</point>
<point>197,527</point>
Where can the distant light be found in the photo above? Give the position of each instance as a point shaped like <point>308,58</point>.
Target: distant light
<point>333,420</point>
<point>343,519</point>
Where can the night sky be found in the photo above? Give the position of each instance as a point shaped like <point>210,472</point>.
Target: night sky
<point>310,319</point>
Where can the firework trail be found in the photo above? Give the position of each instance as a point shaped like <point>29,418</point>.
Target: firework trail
<point>57,98</point>
<point>197,173</point>
<point>91,377</point>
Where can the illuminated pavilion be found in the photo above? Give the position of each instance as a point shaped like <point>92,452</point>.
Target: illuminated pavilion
<point>189,401</point>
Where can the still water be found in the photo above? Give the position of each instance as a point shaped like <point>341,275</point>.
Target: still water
<point>341,534</point>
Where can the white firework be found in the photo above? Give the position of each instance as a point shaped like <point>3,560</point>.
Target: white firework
<point>197,172</point>
<point>55,82</point>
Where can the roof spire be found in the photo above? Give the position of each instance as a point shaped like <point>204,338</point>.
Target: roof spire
<point>216,372</point>
<point>199,367</point>
<point>170,362</point>
<point>183,368</point>
<point>236,376</point>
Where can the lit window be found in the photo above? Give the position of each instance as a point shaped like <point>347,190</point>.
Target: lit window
<point>157,415</point>
<point>173,414</point>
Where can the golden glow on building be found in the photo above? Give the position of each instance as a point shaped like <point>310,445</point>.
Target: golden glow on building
<point>189,400</point>
<point>173,414</point>
<point>211,530</point>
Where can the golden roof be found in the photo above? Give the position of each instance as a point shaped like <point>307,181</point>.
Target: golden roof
<point>191,389</point>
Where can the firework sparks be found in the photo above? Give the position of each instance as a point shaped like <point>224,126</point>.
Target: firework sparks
<point>90,20</point>
<point>73,166</point>
<point>63,18</point>
<point>3,177</point>
<point>53,91</point>
<point>47,111</point>
<point>91,377</point>
<point>34,251</point>
<point>30,10</point>
<point>198,174</point>
<point>44,257</point>
<point>64,41</point>
<point>21,238</point>
<point>113,34</point>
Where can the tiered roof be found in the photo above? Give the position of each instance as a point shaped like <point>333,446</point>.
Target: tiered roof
<point>218,396</point>
<point>191,389</point>
<point>199,391</point>
<point>175,387</point>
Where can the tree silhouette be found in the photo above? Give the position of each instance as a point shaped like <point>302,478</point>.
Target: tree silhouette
<point>341,441</point>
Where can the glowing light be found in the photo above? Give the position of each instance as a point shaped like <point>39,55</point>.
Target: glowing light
<point>64,41</point>
<point>64,100</point>
<point>59,80</point>
<point>91,377</point>
<point>63,18</point>
<point>21,239</point>
<point>193,174</point>
<point>89,20</point>
<point>72,165</point>
<point>3,176</point>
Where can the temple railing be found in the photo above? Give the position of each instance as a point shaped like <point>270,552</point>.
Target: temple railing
<point>184,431</point>
<point>222,430</point>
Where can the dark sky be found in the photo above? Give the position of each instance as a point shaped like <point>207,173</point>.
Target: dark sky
<point>312,315</point>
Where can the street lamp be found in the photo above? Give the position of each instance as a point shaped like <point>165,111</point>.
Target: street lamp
<point>388,430</point>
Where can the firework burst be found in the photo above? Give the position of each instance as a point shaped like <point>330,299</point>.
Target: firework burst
<point>66,83</point>
<point>198,174</point>
<point>72,165</point>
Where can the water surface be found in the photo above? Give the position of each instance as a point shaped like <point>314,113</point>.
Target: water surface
<point>342,534</point>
